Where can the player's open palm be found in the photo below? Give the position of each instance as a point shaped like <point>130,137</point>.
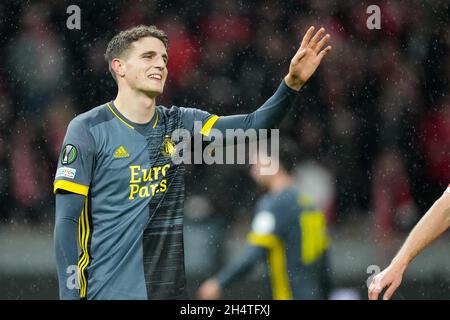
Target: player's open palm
<point>308,57</point>
<point>389,278</point>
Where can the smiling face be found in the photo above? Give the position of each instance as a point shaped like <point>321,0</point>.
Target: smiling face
<point>143,66</point>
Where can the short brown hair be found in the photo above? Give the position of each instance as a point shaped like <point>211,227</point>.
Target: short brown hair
<point>122,41</point>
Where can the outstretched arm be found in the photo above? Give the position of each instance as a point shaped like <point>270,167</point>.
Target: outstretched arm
<point>302,67</point>
<point>430,227</point>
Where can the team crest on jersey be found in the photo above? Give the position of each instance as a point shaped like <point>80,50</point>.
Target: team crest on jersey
<point>69,154</point>
<point>168,146</point>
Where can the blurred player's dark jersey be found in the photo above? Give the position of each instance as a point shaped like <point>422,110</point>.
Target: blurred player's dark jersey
<point>293,233</point>
<point>131,228</point>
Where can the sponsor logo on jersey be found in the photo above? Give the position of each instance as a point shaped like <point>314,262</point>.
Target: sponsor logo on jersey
<point>121,152</point>
<point>66,172</point>
<point>146,182</point>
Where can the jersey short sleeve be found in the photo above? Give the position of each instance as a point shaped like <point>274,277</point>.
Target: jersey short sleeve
<point>270,217</point>
<point>264,222</point>
<point>197,121</point>
<point>76,159</point>
<point>263,227</point>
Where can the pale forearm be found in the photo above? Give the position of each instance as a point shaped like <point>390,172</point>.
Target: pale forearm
<point>430,227</point>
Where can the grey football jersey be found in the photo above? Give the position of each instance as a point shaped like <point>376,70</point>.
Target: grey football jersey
<point>131,227</point>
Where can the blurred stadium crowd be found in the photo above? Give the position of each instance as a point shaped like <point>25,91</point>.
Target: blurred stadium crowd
<point>373,125</point>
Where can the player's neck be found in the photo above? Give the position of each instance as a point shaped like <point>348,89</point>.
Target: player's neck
<point>280,182</point>
<point>136,107</point>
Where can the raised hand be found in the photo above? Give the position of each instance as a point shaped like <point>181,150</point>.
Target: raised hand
<point>308,57</point>
<point>389,278</point>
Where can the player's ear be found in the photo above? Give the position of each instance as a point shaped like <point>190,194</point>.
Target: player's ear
<point>118,67</point>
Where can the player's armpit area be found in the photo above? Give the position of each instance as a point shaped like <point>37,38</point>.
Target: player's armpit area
<point>64,185</point>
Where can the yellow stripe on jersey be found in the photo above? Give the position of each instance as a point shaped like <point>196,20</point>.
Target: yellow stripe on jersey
<point>71,187</point>
<point>281,289</point>
<point>156,121</point>
<point>81,233</point>
<point>84,233</point>
<point>86,249</point>
<point>118,117</point>
<point>313,232</point>
<point>206,129</point>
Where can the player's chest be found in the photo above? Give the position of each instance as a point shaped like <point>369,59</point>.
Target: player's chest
<point>125,150</point>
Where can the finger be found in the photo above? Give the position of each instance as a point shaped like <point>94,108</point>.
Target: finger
<point>324,52</point>
<point>374,291</point>
<point>313,43</point>
<point>299,55</point>
<point>390,291</point>
<point>321,43</point>
<point>306,38</point>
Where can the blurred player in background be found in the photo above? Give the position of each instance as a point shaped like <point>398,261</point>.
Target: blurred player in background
<point>429,228</point>
<point>288,232</point>
<point>118,190</point>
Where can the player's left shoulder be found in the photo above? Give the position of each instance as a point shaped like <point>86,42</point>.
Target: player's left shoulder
<point>164,111</point>
<point>169,113</point>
